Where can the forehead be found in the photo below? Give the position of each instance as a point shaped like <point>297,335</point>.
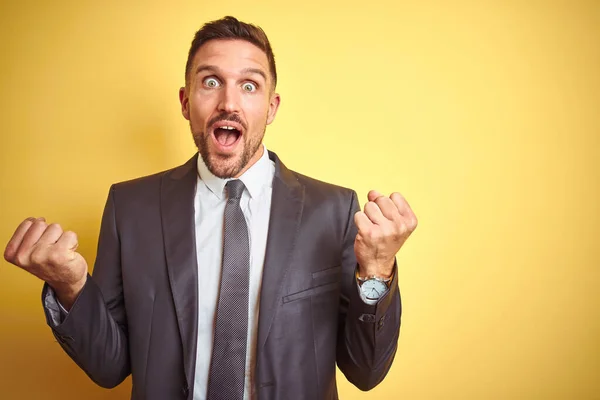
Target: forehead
<point>231,56</point>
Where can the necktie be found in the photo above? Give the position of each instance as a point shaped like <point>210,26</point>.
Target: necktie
<point>228,364</point>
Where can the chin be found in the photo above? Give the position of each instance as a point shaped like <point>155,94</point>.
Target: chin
<point>224,167</point>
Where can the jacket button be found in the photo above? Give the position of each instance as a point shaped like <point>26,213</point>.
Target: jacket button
<point>367,318</point>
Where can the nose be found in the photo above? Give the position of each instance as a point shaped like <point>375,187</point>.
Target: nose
<point>230,99</point>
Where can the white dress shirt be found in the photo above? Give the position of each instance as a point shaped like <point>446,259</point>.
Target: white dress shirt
<point>209,205</point>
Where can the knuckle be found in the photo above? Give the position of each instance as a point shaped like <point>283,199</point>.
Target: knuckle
<point>9,254</point>
<point>396,235</point>
<point>375,234</point>
<point>392,234</point>
<point>70,234</point>
<point>27,223</point>
<point>407,226</point>
<point>365,234</point>
<point>37,257</point>
<point>401,228</point>
<point>21,259</point>
<point>55,257</point>
<point>411,223</point>
<point>414,224</point>
<point>41,223</point>
<point>55,226</point>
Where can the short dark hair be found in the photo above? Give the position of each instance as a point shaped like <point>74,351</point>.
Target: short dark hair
<point>229,28</point>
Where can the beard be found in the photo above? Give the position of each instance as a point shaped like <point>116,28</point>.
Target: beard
<point>221,166</point>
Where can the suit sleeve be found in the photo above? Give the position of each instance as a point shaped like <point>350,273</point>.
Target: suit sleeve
<point>94,332</point>
<point>367,334</point>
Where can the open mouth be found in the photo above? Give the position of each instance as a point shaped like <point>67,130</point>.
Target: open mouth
<point>227,134</point>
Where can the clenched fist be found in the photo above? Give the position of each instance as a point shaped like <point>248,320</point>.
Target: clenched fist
<point>48,252</point>
<point>383,227</point>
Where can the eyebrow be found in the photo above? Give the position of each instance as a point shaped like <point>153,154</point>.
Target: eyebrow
<point>245,71</point>
<point>205,67</point>
<point>255,71</point>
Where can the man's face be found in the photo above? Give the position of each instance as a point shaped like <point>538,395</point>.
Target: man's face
<point>229,101</point>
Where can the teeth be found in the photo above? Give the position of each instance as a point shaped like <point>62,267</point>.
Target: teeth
<point>228,127</point>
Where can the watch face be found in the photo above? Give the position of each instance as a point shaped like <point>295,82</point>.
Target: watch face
<point>373,289</point>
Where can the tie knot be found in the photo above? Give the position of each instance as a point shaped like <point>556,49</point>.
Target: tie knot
<point>235,188</point>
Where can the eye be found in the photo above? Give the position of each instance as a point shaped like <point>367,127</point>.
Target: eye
<point>249,87</point>
<point>211,82</point>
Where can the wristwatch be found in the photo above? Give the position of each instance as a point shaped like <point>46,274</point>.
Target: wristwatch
<point>372,288</point>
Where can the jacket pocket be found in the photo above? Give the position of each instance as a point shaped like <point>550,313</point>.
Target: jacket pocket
<point>313,291</point>
<point>333,272</point>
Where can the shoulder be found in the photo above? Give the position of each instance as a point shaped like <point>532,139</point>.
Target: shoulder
<point>320,193</point>
<point>142,181</point>
<point>331,204</point>
<point>320,186</point>
<point>314,189</point>
<point>149,185</point>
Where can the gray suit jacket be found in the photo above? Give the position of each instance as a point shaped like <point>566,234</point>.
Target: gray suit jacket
<point>137,314</point>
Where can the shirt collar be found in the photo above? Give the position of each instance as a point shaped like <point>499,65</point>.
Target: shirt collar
<point>255,178</point>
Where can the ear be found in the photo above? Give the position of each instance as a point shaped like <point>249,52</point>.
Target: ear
<point>273,107</point>
<point>185,103</point>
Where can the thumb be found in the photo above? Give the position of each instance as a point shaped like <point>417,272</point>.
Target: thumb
<point>373,194</point>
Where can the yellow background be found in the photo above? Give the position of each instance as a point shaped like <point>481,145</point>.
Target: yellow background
<point>485,114</point>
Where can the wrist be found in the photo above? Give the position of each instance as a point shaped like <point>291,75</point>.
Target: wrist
<point>383,271</point>
<point>365,277</point>
<point>67,294</point>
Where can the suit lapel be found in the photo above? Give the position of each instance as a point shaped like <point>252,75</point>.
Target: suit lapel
<point>177,213</point>
<point>287,202</point>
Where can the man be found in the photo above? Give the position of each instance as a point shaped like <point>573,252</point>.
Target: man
<point>230,276</point>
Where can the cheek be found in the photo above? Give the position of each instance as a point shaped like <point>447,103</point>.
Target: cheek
<point>200,109</point>
<point>256,111</point>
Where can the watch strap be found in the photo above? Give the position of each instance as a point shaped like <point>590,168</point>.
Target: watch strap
<point>362,279</point>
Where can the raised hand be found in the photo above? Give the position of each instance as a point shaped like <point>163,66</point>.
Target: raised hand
<point>383,227</point>
<point>48,252</point>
